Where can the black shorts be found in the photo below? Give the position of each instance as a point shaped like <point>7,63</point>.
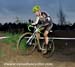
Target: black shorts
<point>48,28</point>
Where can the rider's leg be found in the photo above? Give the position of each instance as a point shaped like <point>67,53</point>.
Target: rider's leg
<point>48,28</point>
<point>38,37</point>
<point>46,42</point>
<point>46,37</point>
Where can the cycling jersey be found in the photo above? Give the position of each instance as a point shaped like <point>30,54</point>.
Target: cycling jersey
<point>44,19</point>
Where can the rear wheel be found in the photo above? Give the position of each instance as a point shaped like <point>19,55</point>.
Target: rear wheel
<point>50,49</point>
<point>25,48</point>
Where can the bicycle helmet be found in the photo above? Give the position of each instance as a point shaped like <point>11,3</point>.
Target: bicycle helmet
<point>36,8</point>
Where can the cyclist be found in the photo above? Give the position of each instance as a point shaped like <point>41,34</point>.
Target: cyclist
<point>42,19</point>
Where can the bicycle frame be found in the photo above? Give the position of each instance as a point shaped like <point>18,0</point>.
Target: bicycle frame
<point>34,36</point>
<point>32,40</point>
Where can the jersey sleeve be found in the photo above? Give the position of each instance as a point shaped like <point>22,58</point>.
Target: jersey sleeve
<point>36,21</point>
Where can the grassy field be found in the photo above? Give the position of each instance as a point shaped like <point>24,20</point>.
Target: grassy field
<point>10,41</point>
<point>12,38</point>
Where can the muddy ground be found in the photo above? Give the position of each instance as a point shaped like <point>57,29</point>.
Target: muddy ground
<point>64,55</point>
<point>61,58</point>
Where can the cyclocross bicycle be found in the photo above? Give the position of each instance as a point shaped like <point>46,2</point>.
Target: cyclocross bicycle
<point>28,42</point>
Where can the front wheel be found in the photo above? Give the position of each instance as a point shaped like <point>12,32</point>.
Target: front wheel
<point>50,49</point>
<point>25,48</point>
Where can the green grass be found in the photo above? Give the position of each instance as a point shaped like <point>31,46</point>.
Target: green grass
<point>23,44</point>
<point>12,38</point>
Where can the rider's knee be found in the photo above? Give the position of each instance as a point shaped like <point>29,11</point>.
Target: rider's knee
<point>45,34</point>
<point>37,34</point>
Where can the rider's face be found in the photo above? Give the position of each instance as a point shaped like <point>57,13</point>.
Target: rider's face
<point>37,13</point>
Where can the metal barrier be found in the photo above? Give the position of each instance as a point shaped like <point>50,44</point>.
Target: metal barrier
<point>3,37</point>
<point>57,38</point>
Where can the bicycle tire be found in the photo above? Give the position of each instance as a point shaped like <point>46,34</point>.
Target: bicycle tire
<point>50,50</point>
<point>31,47</point>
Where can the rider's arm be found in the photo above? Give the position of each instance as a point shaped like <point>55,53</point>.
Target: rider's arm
<point>36,21</point>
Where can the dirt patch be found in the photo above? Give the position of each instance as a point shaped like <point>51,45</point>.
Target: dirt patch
<point>63,57</point>
<point>57,60</point>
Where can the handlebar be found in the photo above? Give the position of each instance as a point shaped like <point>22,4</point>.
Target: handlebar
<point>29,27</point>
<point>34,27</point>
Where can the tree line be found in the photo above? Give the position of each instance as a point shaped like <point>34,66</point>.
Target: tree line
<point>23,27</point>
